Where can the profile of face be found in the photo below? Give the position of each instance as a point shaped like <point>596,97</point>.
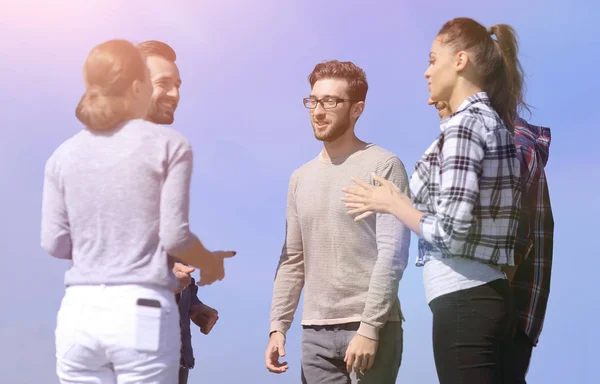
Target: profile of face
<point>165,82</point>
<point>331,110</point>
<point>443,71</point>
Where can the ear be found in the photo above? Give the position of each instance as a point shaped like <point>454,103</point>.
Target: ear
<point>462,59</point>
<point>136,88</point>
<point>358,109</point>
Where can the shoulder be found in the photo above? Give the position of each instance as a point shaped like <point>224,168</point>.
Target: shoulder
<point>305,168</point>
<point>524,135</point>
<point>389,166</point>
<point>383,157</point>
<point>64,151</point>
<point>477,122</point>
<point>166,134</point>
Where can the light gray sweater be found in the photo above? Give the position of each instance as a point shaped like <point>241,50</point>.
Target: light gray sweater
<point>117,204</point>
<point>349,270</point>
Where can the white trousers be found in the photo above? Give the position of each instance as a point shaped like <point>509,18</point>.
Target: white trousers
<point>107,335</point>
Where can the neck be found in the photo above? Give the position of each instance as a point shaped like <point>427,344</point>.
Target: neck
<point>343,146</point>
<point>461,94</point>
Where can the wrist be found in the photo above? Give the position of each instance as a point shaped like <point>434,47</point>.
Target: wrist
<point>279,326</point>
<point>368,331</point>
<point>398,206</point>
<point>274,332</point>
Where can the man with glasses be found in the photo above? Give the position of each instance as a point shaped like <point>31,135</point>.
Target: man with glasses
<point>349,270</point>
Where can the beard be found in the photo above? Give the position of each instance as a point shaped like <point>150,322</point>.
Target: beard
<point>334,131</point>
<point>162,110</point>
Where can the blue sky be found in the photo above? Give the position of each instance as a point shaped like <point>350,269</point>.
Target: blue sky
<point>244,66</point>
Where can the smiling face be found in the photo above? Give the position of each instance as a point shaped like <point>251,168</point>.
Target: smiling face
<point>331,123</point>
<point>443,72</point>
<point>166,82</point>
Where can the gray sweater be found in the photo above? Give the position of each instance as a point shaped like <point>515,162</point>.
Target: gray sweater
<point>349,270</point>
<point>117,204</point>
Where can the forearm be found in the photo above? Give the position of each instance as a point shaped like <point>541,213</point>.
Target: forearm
<point>57,245</point>
<point>286,295</point>
<point>393,241</point>
<point>195,254</point>
<point>56,232</point>
<point>289,278</point>
<point>404,211</point>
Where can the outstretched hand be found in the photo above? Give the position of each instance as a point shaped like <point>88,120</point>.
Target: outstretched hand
<point>366,199</point>
<point>213,267</point>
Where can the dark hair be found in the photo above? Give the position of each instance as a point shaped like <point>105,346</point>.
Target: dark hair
<point>346,70</point>
<point>157,48</point>
<point>496,61</point>
<point>109,71</point>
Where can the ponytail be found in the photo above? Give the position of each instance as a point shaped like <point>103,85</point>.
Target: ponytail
<point>505,85</point>
<point>99,112</point>
<point>109,72</point>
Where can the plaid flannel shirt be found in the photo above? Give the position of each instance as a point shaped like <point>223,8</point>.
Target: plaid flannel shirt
<point>533,247</point>
<point>467,185</point>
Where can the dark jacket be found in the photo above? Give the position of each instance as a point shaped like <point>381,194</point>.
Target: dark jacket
<point>186,299</point>
<point>535,235</point>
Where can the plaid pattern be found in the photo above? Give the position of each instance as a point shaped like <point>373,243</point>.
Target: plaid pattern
<point>533,248</point>
<point>467,185</point>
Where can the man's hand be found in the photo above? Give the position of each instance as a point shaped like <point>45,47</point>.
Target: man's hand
<point>204,317</point>
<point>183,274</point>
<point>275,350</point>
<point>360,354</point>
<point>213,268</point>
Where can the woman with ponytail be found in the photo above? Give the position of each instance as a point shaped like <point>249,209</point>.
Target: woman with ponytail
<point>466,199</point>
<point>115,203</point>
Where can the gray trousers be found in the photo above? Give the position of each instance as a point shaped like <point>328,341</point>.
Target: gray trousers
<point>324,348</point>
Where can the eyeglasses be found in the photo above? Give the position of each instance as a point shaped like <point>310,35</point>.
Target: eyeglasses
<point>327,103</point>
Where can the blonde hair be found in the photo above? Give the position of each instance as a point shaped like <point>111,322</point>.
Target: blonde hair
<point>109,71</point>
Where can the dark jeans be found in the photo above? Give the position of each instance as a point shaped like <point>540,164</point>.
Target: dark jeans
<point>516,356</point>
<point>470,329</point>
<point>183,375</point>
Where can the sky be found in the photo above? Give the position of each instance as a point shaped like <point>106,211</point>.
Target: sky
<point>244,66</point>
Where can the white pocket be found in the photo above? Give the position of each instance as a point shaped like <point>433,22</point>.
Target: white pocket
<point>141,328</point>
<point>148,327</point>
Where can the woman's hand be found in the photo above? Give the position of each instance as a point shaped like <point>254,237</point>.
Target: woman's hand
<point>366,199</point>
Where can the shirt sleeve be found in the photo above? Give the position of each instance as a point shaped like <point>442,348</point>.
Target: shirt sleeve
<point>56,234</point>
<point>289,277</point>
<point>393,241</point>
<point>461,166</point>
<point>175,234</point>
<point>530,174</point>
<point>543,222</point>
